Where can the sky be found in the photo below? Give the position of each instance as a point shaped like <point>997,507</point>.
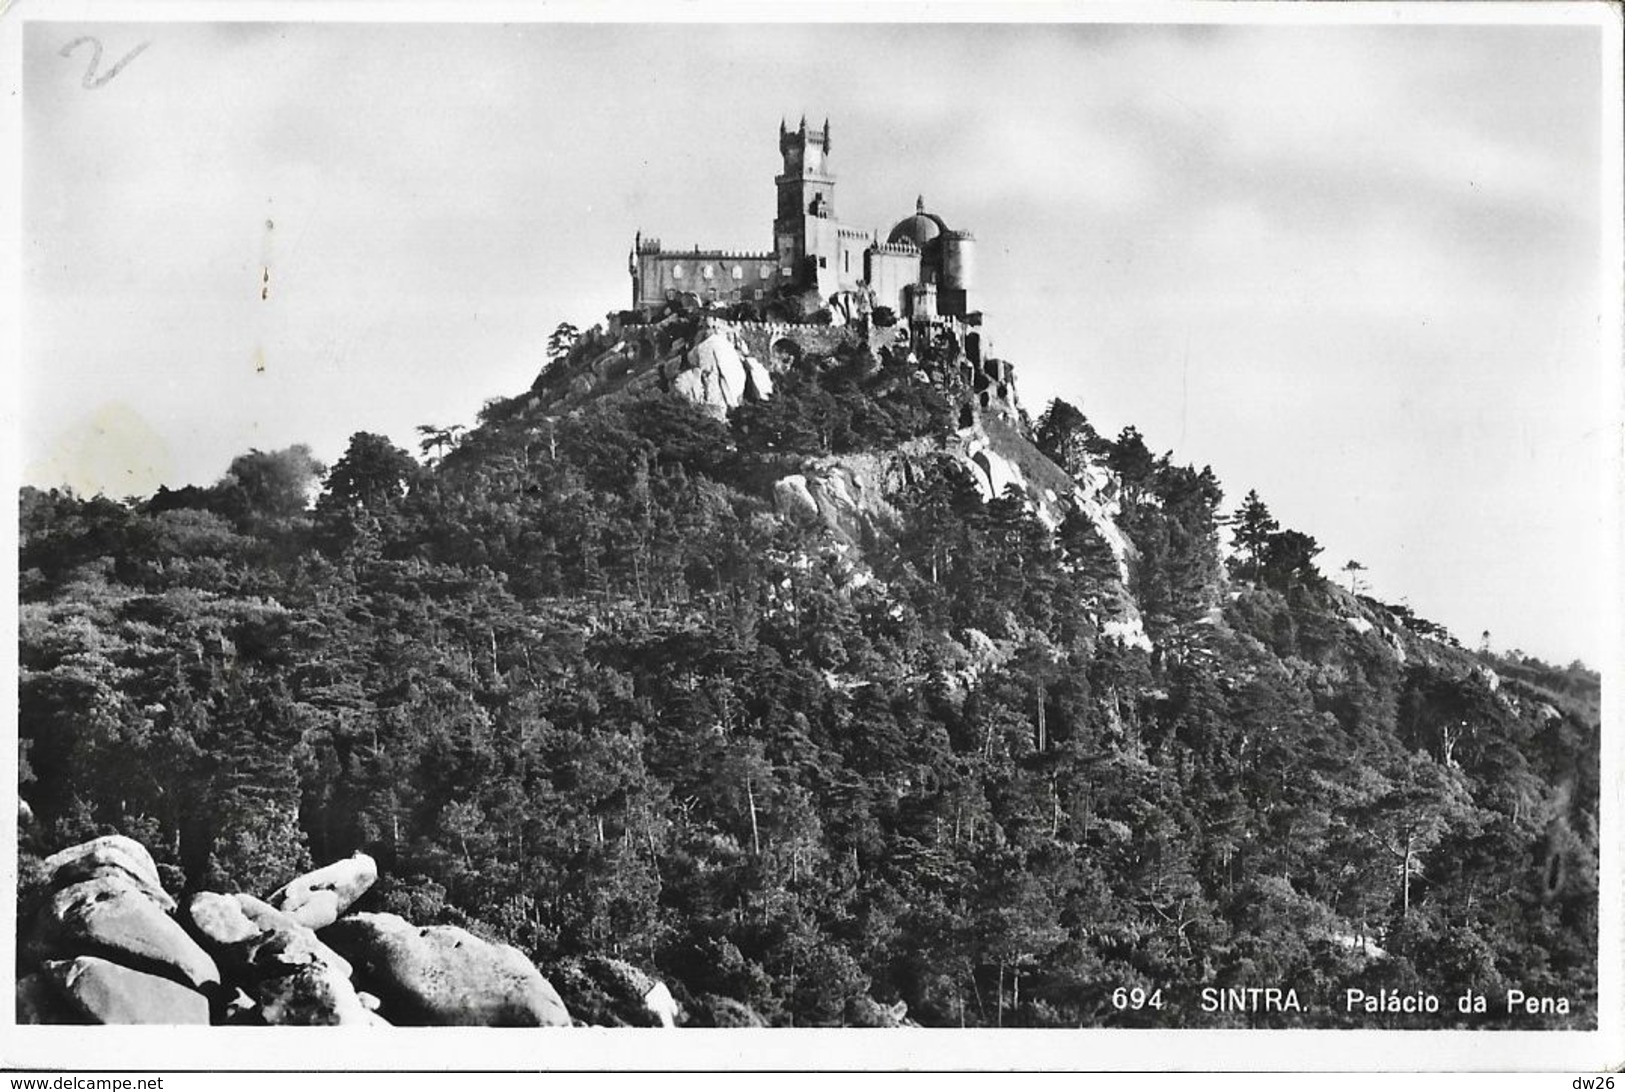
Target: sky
<point>1353,267</point>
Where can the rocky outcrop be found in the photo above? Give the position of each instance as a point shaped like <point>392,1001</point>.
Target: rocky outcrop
<point>103,992</point>
<point>101,945</point>
<point>318,898</point>
<point>287,974</point>
<point>718,375</point>
<point>111,855</point>
<point>312,995</point>
<point>108,945</point>
<point>793,498</point>
<point>850,494</point>
<point>112,915</point>
<point>281,936</point>
<point>220,922</point>
<point>445,975</point>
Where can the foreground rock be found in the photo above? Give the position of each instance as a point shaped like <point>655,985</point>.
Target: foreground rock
<point>220,923</point>
<point>444,975</point>
<point>287,973</point>
<point>318,898</point>
<point>284,939</point>
<point>103,992</point>
<point>113,854</point>
<point>312,996</point>
<point>113,916</point>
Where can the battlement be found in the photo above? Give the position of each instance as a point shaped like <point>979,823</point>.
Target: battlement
<point>790,139</point>
<point>712,255</point>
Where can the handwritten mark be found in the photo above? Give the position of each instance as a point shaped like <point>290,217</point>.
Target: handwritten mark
<point>92,81</point>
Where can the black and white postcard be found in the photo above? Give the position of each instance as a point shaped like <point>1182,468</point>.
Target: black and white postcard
<point>870,537</point>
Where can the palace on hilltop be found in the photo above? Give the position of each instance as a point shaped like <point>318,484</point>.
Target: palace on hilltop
<point>922,271</point>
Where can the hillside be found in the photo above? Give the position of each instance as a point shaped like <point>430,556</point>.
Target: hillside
<point>795,665</point>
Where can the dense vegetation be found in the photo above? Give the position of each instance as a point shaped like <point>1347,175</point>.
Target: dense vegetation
<point>576,684</point>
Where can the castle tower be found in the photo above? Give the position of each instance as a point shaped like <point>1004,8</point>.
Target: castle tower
<point>956,271</point>
<point>805,234</point>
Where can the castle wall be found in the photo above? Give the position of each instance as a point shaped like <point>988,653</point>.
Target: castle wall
<point>889,271</point>
<point>759,338</point>
<point>850,245</point>
<point>710,275</point>
<point>823,245</point>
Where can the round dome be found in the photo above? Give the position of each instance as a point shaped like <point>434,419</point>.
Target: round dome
<point>918,229</point>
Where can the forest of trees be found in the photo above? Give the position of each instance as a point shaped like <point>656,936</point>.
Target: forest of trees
<point>578,686</point>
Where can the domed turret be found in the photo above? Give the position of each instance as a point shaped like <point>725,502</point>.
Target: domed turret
<point>919,229</point>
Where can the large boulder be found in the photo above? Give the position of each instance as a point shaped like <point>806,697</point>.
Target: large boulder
<point>105,856</point>
<point>219,922</point>
<point>285,939</point>
<point>288,974</point>
<point>444,975</point>
<point>104,992</point>
<point>792,498</point>
<point>318,898</point>
<point>719,377</point>
<point>112,915</point>
<point>662,1007</point>
<point>311,996</point>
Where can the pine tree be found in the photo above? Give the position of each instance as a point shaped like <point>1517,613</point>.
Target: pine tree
<point>1253,525</point>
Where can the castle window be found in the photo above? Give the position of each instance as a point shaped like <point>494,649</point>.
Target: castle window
<point>823,262</point>
<point>846,261</point>
<point>739,272</point>
<point>677,270</point>
<point>705,271</point>
<point>785,271</point>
